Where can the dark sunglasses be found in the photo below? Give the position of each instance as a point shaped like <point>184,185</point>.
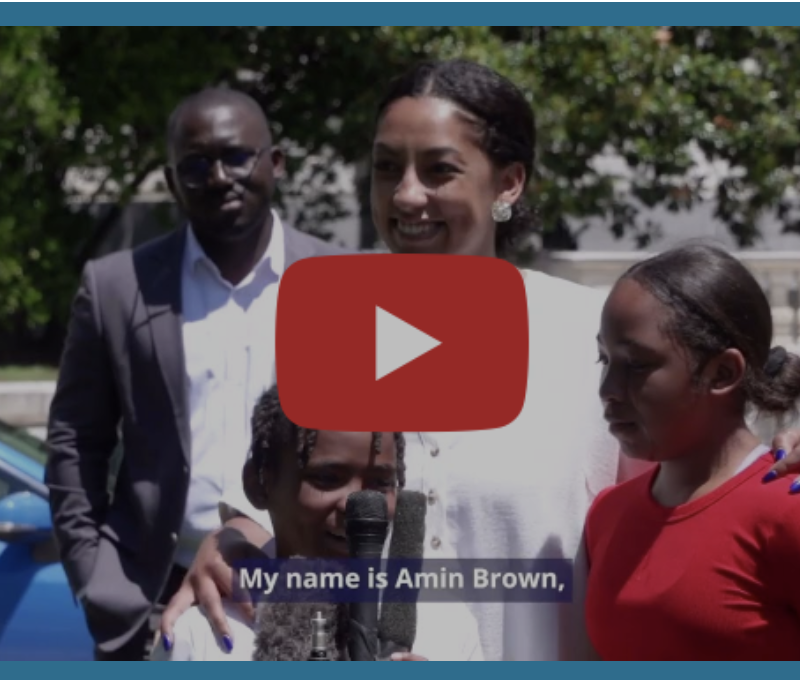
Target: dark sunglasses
<point>237,165</point>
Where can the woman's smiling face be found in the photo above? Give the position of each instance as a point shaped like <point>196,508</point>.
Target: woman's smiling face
<point>432,184</point>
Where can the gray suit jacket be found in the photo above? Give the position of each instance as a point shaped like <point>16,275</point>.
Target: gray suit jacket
<point>122,374</point>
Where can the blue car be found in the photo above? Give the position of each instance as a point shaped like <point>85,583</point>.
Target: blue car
<point>39,617</point>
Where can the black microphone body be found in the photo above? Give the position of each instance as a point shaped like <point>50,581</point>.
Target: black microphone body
<point>366,526</point>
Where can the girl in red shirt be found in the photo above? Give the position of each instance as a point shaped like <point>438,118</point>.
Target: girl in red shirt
<point>699,558</point>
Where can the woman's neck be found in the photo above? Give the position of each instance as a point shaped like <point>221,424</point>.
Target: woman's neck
<point>706,467</point>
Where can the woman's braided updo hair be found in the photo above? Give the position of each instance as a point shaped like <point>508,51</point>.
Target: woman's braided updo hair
<point>272,431</point>
<point>499,110</point>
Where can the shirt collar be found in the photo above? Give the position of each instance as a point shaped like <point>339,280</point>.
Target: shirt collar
<point>275,254</point>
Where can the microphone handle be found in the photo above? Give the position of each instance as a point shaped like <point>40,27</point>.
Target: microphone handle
<point>370,535</point>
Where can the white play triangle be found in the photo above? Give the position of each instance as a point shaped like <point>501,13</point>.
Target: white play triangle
<point>397,343</point>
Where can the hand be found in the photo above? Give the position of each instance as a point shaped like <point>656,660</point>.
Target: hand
<point>407,656</point>
<point>786,446</point>
<point>209,580</point>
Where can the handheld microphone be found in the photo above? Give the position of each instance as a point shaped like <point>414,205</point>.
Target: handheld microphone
<point>397,628</point>
<point>366,526</point>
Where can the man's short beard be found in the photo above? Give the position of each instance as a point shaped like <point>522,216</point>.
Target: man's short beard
<point>227,235</point>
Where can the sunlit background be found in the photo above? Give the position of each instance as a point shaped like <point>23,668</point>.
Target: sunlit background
<point>646,136</point>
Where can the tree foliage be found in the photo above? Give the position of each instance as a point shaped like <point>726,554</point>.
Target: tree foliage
<point>34,112</point>
<point>629,118</point>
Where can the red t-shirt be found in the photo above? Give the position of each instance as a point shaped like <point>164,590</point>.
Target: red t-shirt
<point>715,579</point>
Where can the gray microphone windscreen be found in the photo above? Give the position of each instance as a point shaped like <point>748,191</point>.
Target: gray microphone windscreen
<point>397,628</point>
<point>408,528</point>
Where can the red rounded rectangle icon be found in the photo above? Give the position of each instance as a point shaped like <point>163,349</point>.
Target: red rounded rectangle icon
<point>402,343</point>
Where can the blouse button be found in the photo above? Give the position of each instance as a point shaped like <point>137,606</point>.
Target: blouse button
<point>431,497</point>
<point>435,543</point>
<point>435,451</point>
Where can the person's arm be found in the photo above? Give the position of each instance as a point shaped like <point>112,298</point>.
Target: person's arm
<point>187,636</point>
<point>210,577</point>
<point>82,435</point>
<point>245,531</point>
<point>181,649</point>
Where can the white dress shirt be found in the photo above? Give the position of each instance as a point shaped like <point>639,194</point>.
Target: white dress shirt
<point>445,632</point>
<point>229,345</point>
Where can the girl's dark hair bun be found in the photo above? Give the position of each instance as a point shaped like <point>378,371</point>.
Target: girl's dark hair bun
<point>776,360</point>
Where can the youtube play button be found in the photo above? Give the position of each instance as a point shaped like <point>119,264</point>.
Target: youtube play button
<point>397,343</point>
<point>402,343</point>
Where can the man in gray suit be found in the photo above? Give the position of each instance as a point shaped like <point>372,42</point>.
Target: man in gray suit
<point>169,347</point>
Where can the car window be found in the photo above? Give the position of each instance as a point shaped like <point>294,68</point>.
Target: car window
<point>35,448</point>
<point>9,485</point>
<point>21,441</point>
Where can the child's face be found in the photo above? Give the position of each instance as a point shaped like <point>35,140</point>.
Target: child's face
<point>308,504</point>
<point>652,403</point>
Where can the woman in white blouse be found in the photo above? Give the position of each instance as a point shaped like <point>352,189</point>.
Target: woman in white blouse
<point>453,153</point>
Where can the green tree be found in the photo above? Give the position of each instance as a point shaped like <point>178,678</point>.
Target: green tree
<point>664,102</point>
<point>34,112</point>
<point>669,102</point>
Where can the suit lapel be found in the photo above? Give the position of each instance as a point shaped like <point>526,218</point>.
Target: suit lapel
<point>158,269</point>
<point>161,291</point>
<point>294,246</point>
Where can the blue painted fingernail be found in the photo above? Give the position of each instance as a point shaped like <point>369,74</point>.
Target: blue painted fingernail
<point>166,642</point>
<point>228,642</point>
<point>771,476</point>
<point>780,454</point>
<point>795,487</point>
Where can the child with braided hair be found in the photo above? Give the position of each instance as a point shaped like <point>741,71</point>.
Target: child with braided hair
<point>303,478</point>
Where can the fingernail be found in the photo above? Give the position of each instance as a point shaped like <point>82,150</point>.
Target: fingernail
<point>226,639</point>
<point>780,454</point>
<point>166,642</point>
<point>771,476</point>
<point>795,487</point>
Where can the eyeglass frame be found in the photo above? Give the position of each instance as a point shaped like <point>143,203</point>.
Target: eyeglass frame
<point>256,155</point>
